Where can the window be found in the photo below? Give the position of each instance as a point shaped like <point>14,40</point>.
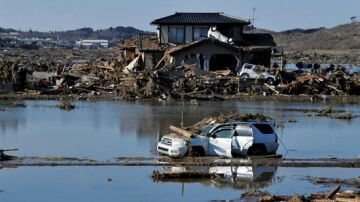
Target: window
<point>200,33</point>
<point>223,133</point>
<point>177,35</point>
<point>264,128</point>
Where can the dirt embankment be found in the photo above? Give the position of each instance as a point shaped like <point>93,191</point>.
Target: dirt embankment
<point>342,37</point>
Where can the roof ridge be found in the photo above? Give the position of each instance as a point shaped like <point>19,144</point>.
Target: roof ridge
<point>198,12</point>
<point>231,16</point>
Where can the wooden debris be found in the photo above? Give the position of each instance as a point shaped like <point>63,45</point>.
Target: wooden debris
<point>180,131</point>
<point>331,195</point>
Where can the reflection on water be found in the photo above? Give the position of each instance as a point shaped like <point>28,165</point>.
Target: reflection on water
<point>236,177</point>
<point>104,130</point>
<point>43,184</point>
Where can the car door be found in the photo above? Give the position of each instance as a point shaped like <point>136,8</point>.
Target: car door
<point>220,142</point>
<point>244,137</point>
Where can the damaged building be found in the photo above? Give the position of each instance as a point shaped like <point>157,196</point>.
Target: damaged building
<point>213,41</point>
<point>210,41</point>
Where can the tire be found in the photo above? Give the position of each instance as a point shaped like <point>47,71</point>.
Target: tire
<point>197,152</point>
<point>245,76</point>
<point>270,81</point>
<point>257,150</point>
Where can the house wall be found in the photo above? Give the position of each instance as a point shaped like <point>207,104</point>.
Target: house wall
<point>151,58</point>
<point>205,51</point>
<point>235,32</point>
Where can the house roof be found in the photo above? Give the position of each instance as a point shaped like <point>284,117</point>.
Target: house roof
<point>203,41</point>
<point>200,19</point>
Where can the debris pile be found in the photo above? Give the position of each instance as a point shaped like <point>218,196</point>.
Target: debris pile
<point>225,118</point>
<point>336,82</point>
<point>127,76</point>
<point>332,195</point>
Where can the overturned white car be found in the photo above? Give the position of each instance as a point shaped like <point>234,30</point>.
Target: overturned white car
<point>250,71</point>
<point>234,139</point>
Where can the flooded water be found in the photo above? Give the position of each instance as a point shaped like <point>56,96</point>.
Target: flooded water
<point>103,130</point>
<point>134,184</point>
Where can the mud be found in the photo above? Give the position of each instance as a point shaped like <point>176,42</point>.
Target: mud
<point>187,161</point>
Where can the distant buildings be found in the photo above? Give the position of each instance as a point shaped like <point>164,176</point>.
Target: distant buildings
<point>93,43</point>
<point>23,40</point>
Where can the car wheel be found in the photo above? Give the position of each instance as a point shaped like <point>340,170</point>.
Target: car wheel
<point>270,81</point>
<point>196,152</point>
<point>257,150</point>
<point>244,76</point>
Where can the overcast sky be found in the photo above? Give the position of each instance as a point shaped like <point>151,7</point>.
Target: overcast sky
<point>50,15</point>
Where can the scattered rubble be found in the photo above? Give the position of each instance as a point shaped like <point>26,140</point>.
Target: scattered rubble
<point>334,194</point>
<point>114,73</point>
<point>355,182</point>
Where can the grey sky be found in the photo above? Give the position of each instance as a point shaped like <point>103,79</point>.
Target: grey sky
<point>48,15</point>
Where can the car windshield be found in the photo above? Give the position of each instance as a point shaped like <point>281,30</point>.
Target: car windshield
<point>264,128</point>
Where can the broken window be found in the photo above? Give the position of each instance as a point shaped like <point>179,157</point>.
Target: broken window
<point>177,35</point>
<point>223,62</point>
<point>200,33</point>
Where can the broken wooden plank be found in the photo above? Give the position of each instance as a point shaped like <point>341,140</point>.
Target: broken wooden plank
<point>272,88</point>
<point>331,195</point>
<point>180,131</point>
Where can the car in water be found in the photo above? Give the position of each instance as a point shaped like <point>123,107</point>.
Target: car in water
<point>250,71</point>
<point>235,139</point>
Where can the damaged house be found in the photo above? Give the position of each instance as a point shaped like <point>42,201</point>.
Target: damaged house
<point>209,41</point>
<point>213,41</point>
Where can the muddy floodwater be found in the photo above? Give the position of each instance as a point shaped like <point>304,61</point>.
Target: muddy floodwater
<point>105,130</point>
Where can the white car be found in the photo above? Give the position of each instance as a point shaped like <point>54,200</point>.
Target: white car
<point>248,72</point>
<point>230,140</point>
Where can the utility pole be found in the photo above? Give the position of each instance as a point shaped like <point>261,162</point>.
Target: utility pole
<point>253,19</point>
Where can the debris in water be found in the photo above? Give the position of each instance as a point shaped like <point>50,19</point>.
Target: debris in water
<point>67,106</point>
<point>18,103</point>
<point>328,112</point>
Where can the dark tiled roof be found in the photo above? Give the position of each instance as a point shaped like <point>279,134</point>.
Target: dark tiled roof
<point>199,18</point>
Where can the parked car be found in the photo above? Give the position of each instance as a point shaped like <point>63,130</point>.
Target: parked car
<point>230,139</point>
<point>249,71</point>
